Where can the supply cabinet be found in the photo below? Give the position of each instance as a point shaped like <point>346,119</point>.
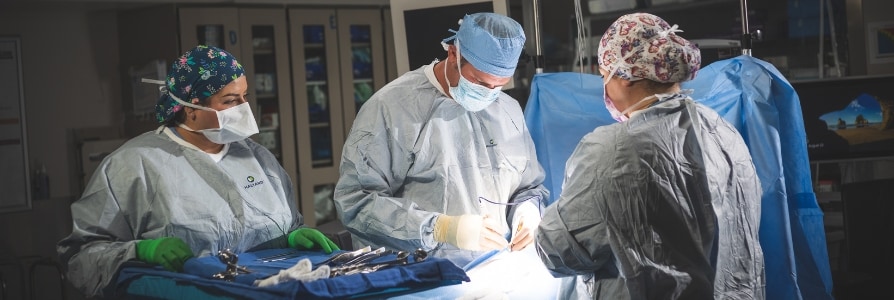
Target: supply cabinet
<point>308,75</point>
<point>362,55</point>
<point>258,38</point>
<point>338,61</point>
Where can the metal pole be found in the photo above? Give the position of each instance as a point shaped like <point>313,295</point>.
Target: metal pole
<point>538,58</point>
<point>834,39</point>
<point>822,34</point>
<point>746,34</point>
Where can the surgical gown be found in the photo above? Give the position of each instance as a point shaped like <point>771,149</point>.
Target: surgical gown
<point>663,206</point>
<point>414,153</point>
<point>157,185</point>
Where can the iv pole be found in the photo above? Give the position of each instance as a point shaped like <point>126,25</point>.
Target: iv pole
<point>746,35</point>
<point>538,58</point>
<point>826,5</point>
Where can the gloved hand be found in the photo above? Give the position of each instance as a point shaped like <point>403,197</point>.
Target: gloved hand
<point>525,221</point>
<point>524,233</point>
<point>307,238</point>
<point>169,252</point>
<point>470,232</point>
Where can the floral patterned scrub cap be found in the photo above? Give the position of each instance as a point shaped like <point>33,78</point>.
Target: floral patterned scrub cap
<point>199,73</point>
<point>643,46</point>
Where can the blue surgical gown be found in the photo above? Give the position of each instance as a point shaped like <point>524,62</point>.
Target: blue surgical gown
<point>157,185</point>
<point>414,153</point>
<point>663,206</point>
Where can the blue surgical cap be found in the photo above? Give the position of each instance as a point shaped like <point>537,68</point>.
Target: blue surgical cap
<point>491,42</point>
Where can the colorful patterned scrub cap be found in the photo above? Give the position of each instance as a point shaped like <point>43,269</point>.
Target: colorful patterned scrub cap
<point>199,73</point>
<point>491,42</point>
<point>643,46</point>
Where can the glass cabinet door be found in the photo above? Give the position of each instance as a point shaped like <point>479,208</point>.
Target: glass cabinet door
<point>208,26</point>
<point>363,58</point>
<point>390,56</point>
<point>265,45</point>
<point>318,109</point>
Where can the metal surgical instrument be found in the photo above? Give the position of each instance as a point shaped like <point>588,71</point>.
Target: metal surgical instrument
<point>230,259</point>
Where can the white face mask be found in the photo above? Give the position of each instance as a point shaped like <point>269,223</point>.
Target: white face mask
<point>236,123</point>
<point>472,97</point>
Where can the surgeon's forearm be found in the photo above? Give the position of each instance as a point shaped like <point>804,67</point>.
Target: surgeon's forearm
<point>532,199</point>
<point>96,266</point>
<point>578,247</point>
<point>385,220</point>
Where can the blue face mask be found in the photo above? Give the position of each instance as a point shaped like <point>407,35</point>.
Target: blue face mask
<point>472,97</point>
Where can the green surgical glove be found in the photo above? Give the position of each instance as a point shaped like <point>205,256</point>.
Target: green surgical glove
<point>307,238</point>
<point>169,252</point>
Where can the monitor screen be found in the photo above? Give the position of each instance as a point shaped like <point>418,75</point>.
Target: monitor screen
<point>423,42</point>
<point>848,118</point>
<point>420,25</point>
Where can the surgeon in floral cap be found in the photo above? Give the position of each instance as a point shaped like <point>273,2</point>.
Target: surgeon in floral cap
<point>194,186</point>
<point>199,73</point>
<point>664,204</point>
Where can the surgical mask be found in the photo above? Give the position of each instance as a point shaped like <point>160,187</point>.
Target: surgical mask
<point>616,114</point>
<point>472,97</point>
<point>236,123</point>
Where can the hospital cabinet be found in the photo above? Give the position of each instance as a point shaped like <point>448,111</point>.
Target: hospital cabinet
<point>338,60</point>
<point>855,195</point>
<point>309,71</point>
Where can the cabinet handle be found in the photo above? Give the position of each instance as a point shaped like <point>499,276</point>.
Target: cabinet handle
<point>232,37</point>
<point>332,22</point>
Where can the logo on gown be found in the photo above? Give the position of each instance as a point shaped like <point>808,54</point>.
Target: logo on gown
<point>252,183</point>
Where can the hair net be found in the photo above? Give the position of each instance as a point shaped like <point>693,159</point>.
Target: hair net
<point>490,42</point>
<point>199,73</point>
<point>644,46</point>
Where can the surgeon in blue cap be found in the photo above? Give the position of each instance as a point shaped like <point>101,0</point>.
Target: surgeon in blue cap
<point>441,158</point>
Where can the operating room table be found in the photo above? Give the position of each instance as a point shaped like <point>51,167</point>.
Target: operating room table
<point>516,275</point>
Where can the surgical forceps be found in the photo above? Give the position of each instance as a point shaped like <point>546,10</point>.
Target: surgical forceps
<point>230,259</point>
<point>365,267</point>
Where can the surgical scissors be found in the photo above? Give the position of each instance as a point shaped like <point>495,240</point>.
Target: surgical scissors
<point>344,256</point>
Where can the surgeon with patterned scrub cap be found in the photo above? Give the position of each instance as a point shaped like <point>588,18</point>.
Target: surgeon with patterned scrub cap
<point>193,187</point>
<point>441,159</point>
<point>664,204</point>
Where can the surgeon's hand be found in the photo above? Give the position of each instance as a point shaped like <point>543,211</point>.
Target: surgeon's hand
<point>470,232</point>
<point>524,234</point>
<point>308,238</point>
<point>169,252</point>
